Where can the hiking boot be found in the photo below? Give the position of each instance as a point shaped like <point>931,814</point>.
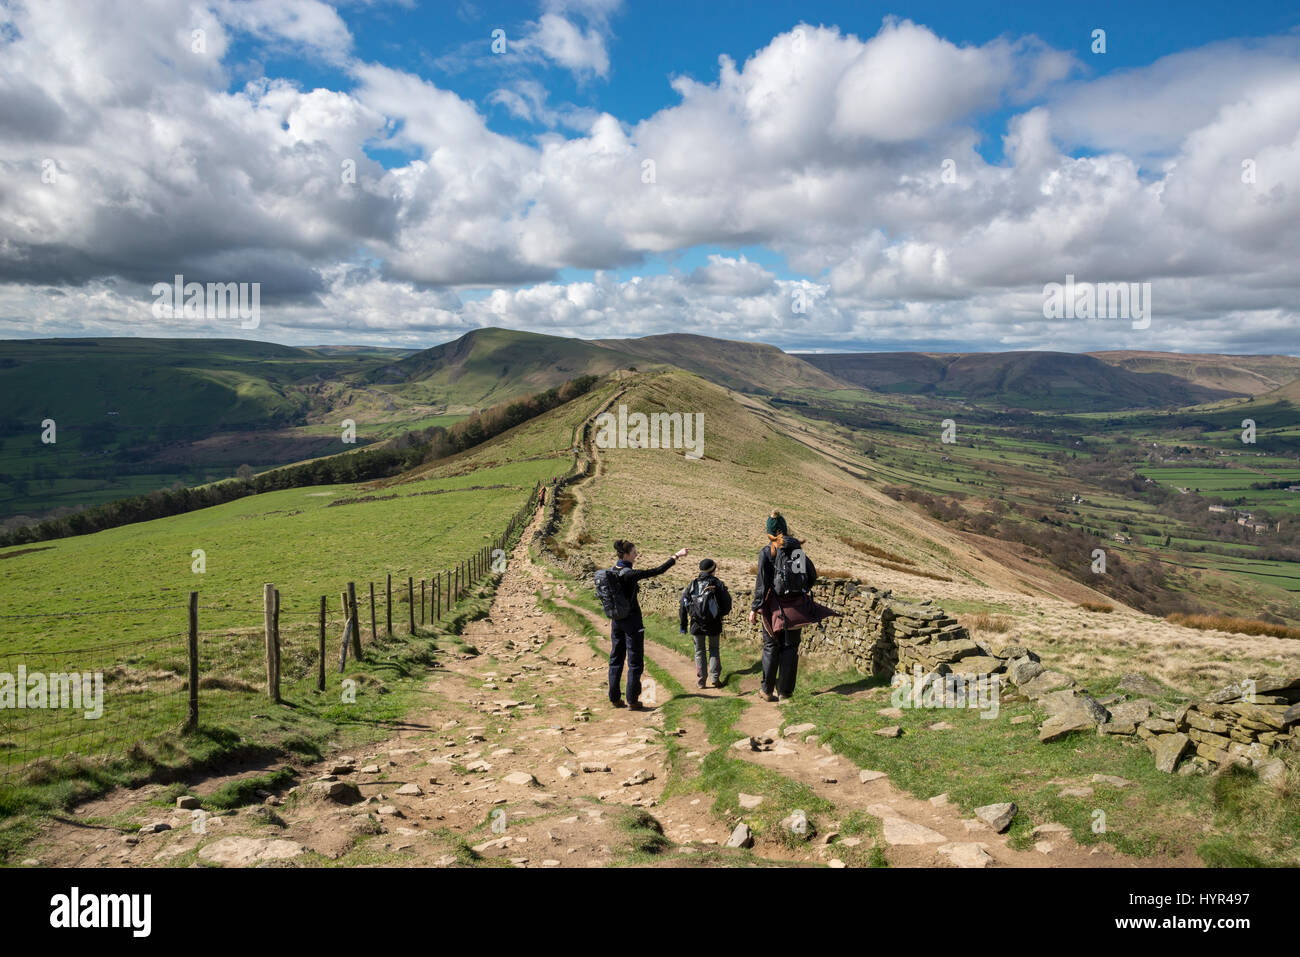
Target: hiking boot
<point>766,696</point>
<point>717,682</point>
<point>618,703</point>
<point>700,683</point>
<point>635,706</point>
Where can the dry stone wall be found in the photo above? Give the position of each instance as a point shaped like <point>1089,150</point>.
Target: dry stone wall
<point>1244,723</point>
<point>1251,723</point>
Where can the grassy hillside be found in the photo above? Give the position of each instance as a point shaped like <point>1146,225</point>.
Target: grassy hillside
<point>758,456</point>
<point>1027,380</point>
<point>491,365</point>
<point>1126,481</point>
<point>1250,375</point>
<point>115,601</point>
<point>299,538</point>
<point>744,366</point>
<point>136,415</point>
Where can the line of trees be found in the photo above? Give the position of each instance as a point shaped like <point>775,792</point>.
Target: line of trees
<point>382,461</point>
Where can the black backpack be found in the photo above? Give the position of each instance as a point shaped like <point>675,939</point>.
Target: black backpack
<point>789,570</point>
<point>613,597</point>
<point>706,606</point>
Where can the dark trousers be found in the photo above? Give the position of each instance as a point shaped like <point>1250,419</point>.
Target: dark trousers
<point>781,661</point>
<point>628,639</point>
<point>708,662</point>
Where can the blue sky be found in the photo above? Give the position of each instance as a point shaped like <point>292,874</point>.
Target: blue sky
<point>917,174</point>
<point>654,40</point>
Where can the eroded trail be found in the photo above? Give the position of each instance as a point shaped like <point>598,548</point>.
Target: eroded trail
<point>914,832</point>
<point>519,758</point>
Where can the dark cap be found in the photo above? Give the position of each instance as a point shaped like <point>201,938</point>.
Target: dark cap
<point>707,565</point>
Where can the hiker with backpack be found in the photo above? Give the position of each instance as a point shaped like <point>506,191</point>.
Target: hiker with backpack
<point>782,594</point>
<point>617,588</point>
<point>704,603</point>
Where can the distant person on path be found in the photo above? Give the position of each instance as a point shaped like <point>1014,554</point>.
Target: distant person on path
<point>617,589</point>
<point>705,602</point>
<point>785,576</point>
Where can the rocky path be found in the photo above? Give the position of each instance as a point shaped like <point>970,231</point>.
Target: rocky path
<point>915,832</point>
<point>519,759</point>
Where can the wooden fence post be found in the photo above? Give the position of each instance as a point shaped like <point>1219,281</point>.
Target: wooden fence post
<point>356,621</point>
<point>450,594</point>
<point>268,614</point>
<point>410,600</point>
<point>277,646</point>
<point>347,631</point>
<point>193,721</point>
<point>320,676</point>
<point>437,597</point>
<point>422,601</point>
<point>374,631</point>
<point>389,606</point>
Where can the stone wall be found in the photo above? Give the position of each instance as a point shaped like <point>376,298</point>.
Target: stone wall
<point>1242,724</point>
<point>879,635</point>
<point>875,633</point>
<point>1249,724</point>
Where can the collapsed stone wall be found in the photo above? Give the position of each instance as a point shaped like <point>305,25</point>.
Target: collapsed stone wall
<point>1242,724</point>
<point>874,634</point>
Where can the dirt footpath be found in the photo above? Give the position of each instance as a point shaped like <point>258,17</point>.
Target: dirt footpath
<point>519,759</point>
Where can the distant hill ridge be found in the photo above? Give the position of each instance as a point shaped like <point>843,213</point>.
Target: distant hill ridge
<point>1031,380</point>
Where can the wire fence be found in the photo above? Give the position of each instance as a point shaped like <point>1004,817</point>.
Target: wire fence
<point>228,664</point>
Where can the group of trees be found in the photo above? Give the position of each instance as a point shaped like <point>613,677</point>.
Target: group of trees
<point>383,461</point>
<point>1142,585</point>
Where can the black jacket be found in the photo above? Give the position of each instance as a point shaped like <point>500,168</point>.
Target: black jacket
<point>724,604</point>
<point>630,578</point>
<point>766,572</point>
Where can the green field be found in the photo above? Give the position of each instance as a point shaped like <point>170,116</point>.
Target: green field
<point>294,538</point>
<point>1227,480</point>
<point>115,602</point>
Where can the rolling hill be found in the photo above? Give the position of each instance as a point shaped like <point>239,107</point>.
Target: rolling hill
<point>1027,380</point>
<point>1248,375</point>
<point>745,366</point>
<point>491,365</point>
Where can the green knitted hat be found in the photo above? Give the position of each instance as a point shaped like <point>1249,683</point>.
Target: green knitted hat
<point>776,526</point>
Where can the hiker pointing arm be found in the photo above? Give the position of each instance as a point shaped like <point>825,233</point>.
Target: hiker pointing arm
<point>630,574</point>
<point>627,630</point>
